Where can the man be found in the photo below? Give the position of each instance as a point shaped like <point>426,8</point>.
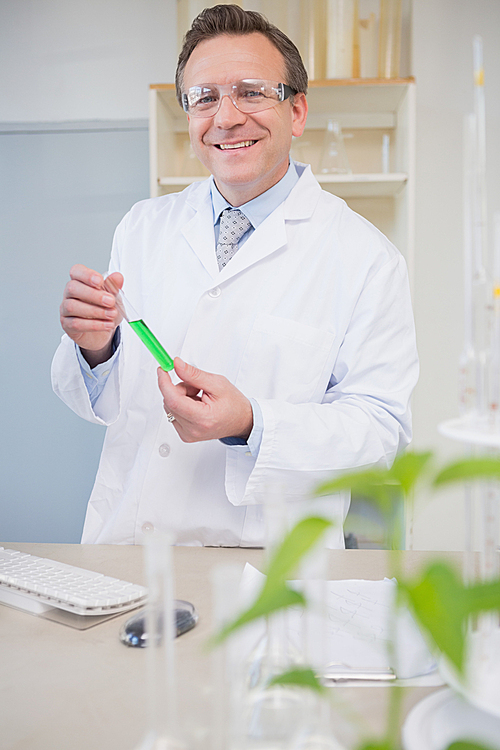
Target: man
<point>297,354</point>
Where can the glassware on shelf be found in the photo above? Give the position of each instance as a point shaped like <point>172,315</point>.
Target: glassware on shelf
<point>368,46</point>
<point>313,45</point>
<point>342,19</point>
<point>301,150</point>
<point>389,51</point>
<point>191,165</point>
<point>386,152</point>
<point>334,156</point>
<point>187,10</point>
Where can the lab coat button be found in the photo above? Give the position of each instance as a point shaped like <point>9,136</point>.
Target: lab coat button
<point>147,527</point>
<point>164,450</point>
<point>215,292</point>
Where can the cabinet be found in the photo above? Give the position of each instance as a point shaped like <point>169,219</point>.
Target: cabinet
<point>367,109</point>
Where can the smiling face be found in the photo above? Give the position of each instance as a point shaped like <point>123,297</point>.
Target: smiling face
<point>246,153</point>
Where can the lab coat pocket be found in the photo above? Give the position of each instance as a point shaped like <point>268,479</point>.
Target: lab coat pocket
<point>286,360</point>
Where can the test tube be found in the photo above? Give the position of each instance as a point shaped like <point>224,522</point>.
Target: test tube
<point>139,327</point>
<point>479,206</point>
<point>163,731</point>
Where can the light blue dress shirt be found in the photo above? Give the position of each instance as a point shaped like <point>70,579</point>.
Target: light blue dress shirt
<point>256,211</point>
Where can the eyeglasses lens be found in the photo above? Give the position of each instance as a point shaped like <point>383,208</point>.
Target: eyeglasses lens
<point>247,96</point>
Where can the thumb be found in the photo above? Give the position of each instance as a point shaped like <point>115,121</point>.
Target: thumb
<point>193,375</point>
<point>113,283</point>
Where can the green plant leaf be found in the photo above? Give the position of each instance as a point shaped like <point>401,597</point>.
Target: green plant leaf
<point>465,745</point>
<point>375,485</point>
<point>297,543</point>
<point>304,678</point>
<point>382,745</point>
<point>270,600</point>
<point>275,594</point>
<point>468,469</point>
<point>483,597</point>
<point>408,468</point>
<point>440,603</point>
<point>382,486</point>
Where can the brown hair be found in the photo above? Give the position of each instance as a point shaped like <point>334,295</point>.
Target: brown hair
<point>233,20</point>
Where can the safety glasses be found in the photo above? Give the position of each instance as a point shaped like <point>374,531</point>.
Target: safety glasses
<point>248,96</point>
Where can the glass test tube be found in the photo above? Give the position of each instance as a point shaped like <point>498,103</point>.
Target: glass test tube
<point>139,326</point>
<point>163,731</point>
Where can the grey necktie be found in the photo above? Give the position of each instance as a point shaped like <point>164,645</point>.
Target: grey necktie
<point>233,225</point>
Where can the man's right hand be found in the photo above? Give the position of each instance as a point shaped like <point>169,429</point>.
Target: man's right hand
<point>89,314</point>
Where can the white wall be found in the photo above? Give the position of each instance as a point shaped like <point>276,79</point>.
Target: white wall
<point>90,60</point>
<point>442,42</point>
<point>83,59</point>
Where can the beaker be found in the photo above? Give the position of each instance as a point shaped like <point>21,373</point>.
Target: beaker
<point>389,50</point>
<point>334,156</point>
<point>313,46</point>
<point>342,32</point>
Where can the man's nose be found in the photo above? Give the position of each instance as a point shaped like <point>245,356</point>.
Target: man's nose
<point>228,114</point>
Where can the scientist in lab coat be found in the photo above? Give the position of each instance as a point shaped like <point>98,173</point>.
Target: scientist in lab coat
<point>295,360</point>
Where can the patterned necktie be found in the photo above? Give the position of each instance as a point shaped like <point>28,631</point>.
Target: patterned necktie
<point>233,225</point>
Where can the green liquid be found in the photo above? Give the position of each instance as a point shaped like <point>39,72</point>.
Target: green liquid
<point>154,346</point>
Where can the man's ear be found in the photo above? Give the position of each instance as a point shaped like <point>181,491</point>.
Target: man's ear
<point>299,114</point>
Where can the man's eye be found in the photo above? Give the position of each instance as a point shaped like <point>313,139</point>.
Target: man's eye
<point>208,99</point>
<point>251,94</point>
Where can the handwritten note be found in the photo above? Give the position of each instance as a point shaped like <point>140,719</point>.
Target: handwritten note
<point>360,622</point>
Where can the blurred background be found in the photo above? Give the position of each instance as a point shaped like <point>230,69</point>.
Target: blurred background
<point>75,155</point>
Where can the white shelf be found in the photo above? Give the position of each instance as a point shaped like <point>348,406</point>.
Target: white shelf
<point>345,185</point>
<point>473,430</point>
<point>363,185</point>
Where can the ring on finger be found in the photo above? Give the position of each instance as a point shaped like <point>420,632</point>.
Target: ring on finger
<point>170,417</point>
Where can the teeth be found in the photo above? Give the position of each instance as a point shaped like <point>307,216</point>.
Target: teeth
<point>242,144</point>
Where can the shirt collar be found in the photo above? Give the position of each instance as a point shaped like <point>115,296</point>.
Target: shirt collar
<point>262,206</point>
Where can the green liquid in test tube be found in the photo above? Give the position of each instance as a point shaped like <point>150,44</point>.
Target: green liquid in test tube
<point>139,327</point>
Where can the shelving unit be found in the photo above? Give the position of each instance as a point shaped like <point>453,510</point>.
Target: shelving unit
<point>366,110</point>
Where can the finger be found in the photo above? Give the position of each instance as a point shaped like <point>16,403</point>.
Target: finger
<point>86,275</point>
<point>76,326</point>
<point>167,389</point>
<point>75,308</point>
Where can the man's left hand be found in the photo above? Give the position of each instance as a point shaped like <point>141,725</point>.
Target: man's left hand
<point>205,406</point>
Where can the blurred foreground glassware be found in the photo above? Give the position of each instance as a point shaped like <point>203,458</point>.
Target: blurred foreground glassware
<point>163,731</point>
<point>225,663</point>
<point>271,716</point>
<point>334,156</point>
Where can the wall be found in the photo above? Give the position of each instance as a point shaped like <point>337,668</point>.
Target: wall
<point>65,186</point>
<point>442,42</point>
<point>83,59</point>
<point>74,80</point>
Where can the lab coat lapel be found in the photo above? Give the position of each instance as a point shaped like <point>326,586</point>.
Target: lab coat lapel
<point>199,230</point>
<point>267,238</point>
<point>271,235</point>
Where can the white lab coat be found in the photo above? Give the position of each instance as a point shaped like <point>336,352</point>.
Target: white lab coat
<point>312,318</point>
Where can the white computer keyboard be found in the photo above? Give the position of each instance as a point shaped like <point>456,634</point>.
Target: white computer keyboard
<point>37,584</point>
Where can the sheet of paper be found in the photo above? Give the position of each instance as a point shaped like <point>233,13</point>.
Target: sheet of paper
<point>359,615</point>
